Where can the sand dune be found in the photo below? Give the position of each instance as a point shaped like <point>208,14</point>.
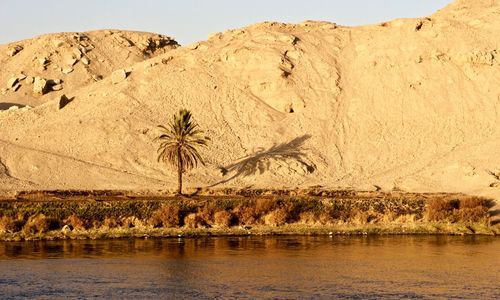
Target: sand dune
<point>410,104</point>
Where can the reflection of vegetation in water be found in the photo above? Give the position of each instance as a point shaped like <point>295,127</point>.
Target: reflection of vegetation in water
<point>32,219</point>
<point>187,247</point>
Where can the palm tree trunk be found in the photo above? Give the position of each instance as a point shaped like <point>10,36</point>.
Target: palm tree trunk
<point>179,172</point>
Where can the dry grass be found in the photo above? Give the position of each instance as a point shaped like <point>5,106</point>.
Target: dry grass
<point>277,217</point>
<point>223,218</point>
<point>37,224</point>
<point>7,224</point>
<point>75,222</point>
<point>228,214</point>
<point>470,209</point>
<point>110,223</point>
<point>167,216</point>
<point>194,220</point>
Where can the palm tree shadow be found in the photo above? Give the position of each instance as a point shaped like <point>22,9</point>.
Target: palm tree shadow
<point>260,161</point>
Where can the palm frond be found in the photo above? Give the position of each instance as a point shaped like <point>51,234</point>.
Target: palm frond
<point>179,141</point>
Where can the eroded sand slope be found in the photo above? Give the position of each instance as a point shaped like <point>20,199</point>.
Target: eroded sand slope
<point>409,104</point>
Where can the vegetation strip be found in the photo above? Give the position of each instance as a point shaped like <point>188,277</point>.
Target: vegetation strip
<point>104,214</point>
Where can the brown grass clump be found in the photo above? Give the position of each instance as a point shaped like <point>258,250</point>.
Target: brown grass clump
<point>166,216</point>
<point>7,224</point>
<point>325,218</point>
<point>277,217</point>
<point>264,206</point>
<point>37,224</point>
<point>441,209</point>
<point>75,222</point>
<point>308,217</point>
<point>473,209</point>
<point>194,220</point>
<point>223,218</point>
<point>406,219</point>
<point>473,202</point>
<point>246,215</point>
<point>207,213</point>
<point>110,222</point>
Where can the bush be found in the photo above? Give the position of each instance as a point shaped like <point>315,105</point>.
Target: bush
<point>308,218</point>
<point>7,224</point>
<point>194,220</point>
<point>223,218</point>
<point>246,215</point>
<point>277,217</point>
<point>473,202</point>
<point>75,222</point>
<point>264,206</point>
<point>471,209</point>
<point>441,209</point>
<point>37,224</point>
<point>166,216</point>
<point>110,223</point>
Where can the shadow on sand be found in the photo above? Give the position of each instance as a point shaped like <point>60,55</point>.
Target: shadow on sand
<point>7,105</point>
<point>260,161</point>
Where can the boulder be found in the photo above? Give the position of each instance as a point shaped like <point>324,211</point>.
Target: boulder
<point>14,50</point>
<point>43,61</point>
<point>16,87</point>
<point>67,70</point>
<point>66,229</point>
<point>76,53</point>
<point>3,91</point>
<point>39,86</point>
<point>11,82</point>
<point>57,87</point>
<point>118,76</point>
<point>29,80</point>
<point>85,60</point>
<point>63,101</point>
<point>70,60</point>
<point>57,43</point>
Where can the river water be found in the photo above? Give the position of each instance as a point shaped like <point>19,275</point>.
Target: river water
<point>417,267</point>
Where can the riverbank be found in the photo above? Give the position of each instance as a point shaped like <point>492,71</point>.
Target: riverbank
<point>119,214</point>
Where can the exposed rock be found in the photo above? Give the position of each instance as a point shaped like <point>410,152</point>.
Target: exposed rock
<point>77,53</point>
<point>63,101</point>
<point>97,77</point>
<point>11,82</point>
<point>123,40</point>
<point>16,87</point>
<point>57,43</point>
<point>57,87</point>
<point>70,60</point>
<point>193,46</point>
<point>85,60</point>
<point>118,76</point>
<point>28,80</point>
<point>39,86</point>
<point>21,77</point>
<point>66,229</point>
<point>43,61</point>
<point>14,50</point>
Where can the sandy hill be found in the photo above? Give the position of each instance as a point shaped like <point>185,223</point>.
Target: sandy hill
<point>410,104</point>
<point>68,61</point>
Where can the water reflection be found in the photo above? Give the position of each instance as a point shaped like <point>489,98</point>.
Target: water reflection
<point>254,267</point>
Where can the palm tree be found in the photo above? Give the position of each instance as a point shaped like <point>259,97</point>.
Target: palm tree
<point>179,142</point>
